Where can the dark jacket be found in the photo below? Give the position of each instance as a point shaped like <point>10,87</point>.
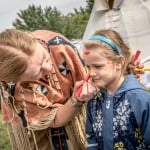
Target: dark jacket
<point>121,120</point>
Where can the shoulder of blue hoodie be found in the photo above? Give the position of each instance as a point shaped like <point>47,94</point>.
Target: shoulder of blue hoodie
<point>139,100</point>
<point>134,91</point>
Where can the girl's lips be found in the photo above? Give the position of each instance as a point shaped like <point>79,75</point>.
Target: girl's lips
<point>95,80</point>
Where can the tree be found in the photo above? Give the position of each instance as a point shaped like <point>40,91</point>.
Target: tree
<point>71,25</point>
<point>75,23</point>
<point>89,5</point>
<point>35,18</point>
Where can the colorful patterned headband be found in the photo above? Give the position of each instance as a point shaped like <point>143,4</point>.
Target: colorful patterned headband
<point>108,42</point>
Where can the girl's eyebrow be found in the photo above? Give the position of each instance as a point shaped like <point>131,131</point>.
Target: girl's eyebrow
<point>44,56</point>
<point>44,44</point>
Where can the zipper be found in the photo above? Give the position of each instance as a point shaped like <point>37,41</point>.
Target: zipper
<point>107,104</point>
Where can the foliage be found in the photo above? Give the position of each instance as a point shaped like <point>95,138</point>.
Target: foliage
<point>89,5</point>
<point>4,139</point>
<point>75,24</point>
<point>71,25</point>
<point>35,18</point>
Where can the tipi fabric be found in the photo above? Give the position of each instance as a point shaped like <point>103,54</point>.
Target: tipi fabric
<point>131,18</point>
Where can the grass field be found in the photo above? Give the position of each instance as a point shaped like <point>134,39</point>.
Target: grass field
<point>4,139</point>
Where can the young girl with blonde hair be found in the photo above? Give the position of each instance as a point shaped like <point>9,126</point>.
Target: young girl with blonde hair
<point>119,118</point>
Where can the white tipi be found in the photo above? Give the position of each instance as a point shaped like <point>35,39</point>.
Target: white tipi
<point>131,18</point>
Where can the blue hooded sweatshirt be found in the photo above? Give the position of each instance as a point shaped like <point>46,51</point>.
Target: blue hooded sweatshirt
<point>119,121</point>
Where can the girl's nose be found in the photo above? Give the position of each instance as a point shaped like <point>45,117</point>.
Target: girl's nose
<point>47,67</point>
<point>92,72</point>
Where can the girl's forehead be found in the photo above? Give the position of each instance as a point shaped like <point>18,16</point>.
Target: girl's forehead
<point>94,55</point>
<point>88,52</point>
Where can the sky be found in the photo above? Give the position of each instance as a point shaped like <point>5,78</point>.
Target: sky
<point>10,8</point>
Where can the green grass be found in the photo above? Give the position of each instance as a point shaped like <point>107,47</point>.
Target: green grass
<point>4,139</point>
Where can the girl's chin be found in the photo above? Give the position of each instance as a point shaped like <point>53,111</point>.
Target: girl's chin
<point>99,84</point>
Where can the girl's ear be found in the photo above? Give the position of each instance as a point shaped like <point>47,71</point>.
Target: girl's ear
<point>120,60</point>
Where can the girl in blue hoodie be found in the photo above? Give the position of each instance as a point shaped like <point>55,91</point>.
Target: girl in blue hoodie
<point>119,117</point>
